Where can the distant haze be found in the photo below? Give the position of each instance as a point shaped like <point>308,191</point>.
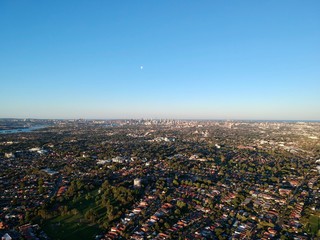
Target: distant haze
<point>160,59</point>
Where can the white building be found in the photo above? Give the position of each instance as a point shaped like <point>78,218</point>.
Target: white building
<point>9,155</point>
<point>137,182</point>
<point>6,237</point>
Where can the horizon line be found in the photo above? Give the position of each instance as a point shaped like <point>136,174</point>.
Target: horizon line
<point>180,119</point>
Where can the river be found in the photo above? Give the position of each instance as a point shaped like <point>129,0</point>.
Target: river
<point>22,130</point>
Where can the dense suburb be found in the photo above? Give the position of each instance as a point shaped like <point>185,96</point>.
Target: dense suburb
<point>159,179</point>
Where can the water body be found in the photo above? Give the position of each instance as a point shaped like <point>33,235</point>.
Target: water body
<point>23,130</point>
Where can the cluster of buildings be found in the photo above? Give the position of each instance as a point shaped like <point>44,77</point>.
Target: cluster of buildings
<point>194,179</point>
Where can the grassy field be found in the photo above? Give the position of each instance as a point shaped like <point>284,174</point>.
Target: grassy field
<point>314,223</point>
<point>72,226</point>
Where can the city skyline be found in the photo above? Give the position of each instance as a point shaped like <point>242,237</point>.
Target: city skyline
<point>182,60</point>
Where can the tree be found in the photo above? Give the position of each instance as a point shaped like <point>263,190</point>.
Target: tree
<point>40,185</point>
<point>166,225</point>
<point>90,215</point>
<point>177,212</point>
<point>175,182</point>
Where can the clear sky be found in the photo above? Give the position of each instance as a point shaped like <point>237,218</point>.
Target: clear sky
<point>201,59</point>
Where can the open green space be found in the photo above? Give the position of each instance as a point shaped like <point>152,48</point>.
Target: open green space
<point>69,227</point>
<point>73,225</point>
<point>314,221</point>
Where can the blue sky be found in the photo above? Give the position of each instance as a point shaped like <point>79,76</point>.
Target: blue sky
<point>201,59</point>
